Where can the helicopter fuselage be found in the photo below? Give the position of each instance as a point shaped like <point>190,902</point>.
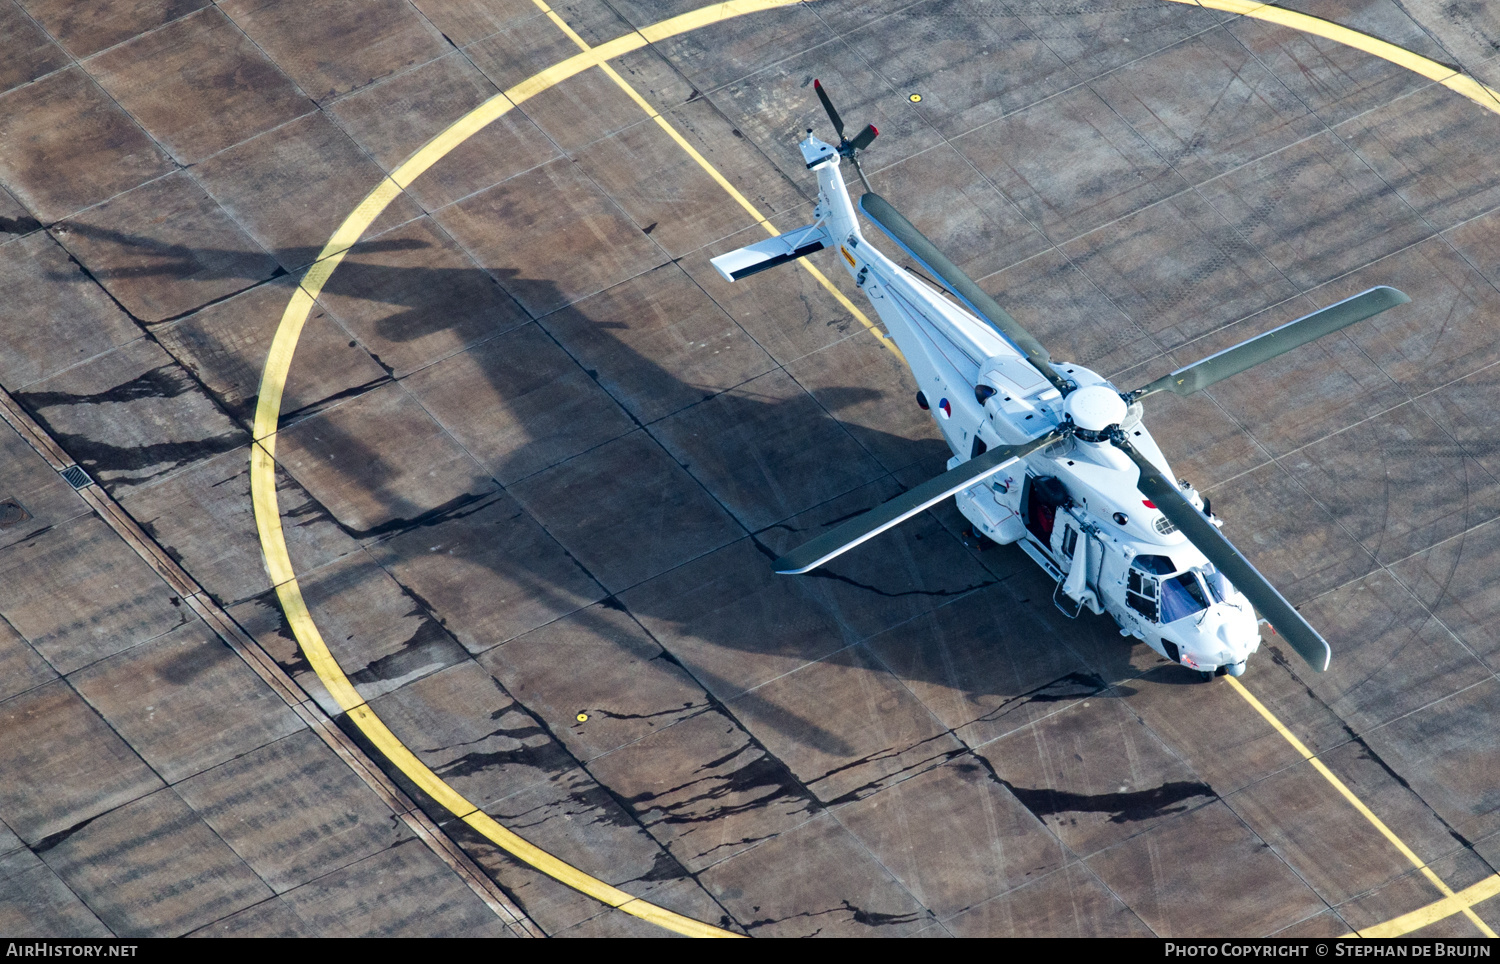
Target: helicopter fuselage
<point>1075,506</point>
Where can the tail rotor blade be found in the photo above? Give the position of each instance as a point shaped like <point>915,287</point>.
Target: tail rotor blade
<point>861,172</point>
<point>842,538</point>
<point>833,115</point>
<point>1203,534</point>
<point>863,139</point>
<point>1277,341</point>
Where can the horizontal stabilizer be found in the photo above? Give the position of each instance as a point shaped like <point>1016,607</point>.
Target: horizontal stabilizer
<point>842,538</point>
<point>755,258</point>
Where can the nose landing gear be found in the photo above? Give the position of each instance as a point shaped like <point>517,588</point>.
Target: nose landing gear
<point>1228,669</point>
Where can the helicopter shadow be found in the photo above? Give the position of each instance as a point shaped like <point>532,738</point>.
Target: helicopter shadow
<point>975,632</point>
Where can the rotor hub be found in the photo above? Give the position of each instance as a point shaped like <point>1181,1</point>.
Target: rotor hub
<point>1094,409</point>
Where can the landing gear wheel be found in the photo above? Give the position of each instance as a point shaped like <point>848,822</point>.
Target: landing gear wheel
<point>977,541</point>
<point>922,402</point>
<point>1205,677</point>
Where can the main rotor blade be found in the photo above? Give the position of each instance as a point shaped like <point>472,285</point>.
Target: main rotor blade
<point>833,115</point>
<point>842,538</point>
<point>864,138</point>
<point>1248,354</point>
<point>1222,553</point>
<point>914,243</point>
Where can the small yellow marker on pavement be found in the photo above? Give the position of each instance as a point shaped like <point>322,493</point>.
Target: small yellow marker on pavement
<point>583,717</point>
<point>915,98</point>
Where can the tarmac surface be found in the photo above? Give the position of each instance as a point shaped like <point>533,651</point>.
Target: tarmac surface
<point>534,458</point>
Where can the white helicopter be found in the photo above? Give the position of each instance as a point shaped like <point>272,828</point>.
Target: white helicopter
<point>1051,455</point>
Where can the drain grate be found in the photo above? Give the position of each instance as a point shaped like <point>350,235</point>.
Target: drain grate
<point>12,514</point>
<point>76,476</point>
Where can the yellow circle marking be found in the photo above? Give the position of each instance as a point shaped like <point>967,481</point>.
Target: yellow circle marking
<point>1486,97</point>
<point>1489,99</point>
<point>583,717</point>
<point>263,472</point>
<point>284,345</point>
<point>915,98</point>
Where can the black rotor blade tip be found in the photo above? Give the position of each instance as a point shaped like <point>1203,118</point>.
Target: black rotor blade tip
<point>863,138</point>
<point>833,115</point>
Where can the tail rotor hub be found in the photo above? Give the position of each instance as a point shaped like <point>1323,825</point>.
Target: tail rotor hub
<point>848,147</point>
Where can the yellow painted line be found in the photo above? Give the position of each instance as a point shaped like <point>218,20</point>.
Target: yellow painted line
<point>1486,97</point>
<point>1359,805</point>
<point>691,21</point>
<point>1489,99</point>
<point>1432,913</point>
<point>263,467</point>
<point>278,365</point>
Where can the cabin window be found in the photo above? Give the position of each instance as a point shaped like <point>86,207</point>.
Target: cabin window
<point>979,447</point>
<point>1182,596</point>
<point>1156,565</point>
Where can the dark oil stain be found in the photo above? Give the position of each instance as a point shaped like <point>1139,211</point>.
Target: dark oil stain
<point>921,765</point>
<point>247,407</point>
<point>873,918</point>
<point>547,757</point>
<point>101,457</point>
<point>455,508</point>
<point>1128,807</point>
<point>754,784</point>
<point>18,225</point>
<point>663,867</point>
<point>52,840</point>
<point>429,645</point>
<point>674,711</point>
<point>166,381</point>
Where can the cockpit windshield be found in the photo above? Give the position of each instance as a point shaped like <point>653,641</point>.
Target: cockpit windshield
<point>1182,596</point>
<point>1154,591</point>
<point>1218,587</point>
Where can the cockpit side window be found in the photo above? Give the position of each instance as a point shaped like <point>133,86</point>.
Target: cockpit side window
<point>1141,592</point>
<point>1182,596</point>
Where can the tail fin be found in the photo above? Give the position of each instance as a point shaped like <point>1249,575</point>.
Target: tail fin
<point>755,258</point>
